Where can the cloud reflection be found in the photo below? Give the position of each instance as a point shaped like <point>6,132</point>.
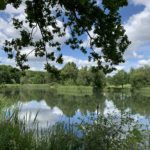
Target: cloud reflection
<point>44,114</point>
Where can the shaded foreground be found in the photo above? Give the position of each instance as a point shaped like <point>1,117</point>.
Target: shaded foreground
<point>97,132</point>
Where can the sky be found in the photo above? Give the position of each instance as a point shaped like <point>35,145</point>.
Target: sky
<point>135,19</point>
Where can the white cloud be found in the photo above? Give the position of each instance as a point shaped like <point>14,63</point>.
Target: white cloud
<point>11,10</point>
<point>7,31</point>
<point>118,68</point>
<point>136,55</point>
<point>139,2</point>
<point>79,62</point>
<point>137,27</point>
<point>34,109</point>
<point>60,39</point>
<point>130,54</point>
<point>144,62</point>
<point>37,63</point>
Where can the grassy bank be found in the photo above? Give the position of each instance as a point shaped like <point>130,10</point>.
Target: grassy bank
<point>118,87</point>
<point>25,85</point>
<point>145,91</point>
<point>60,89</point>
<point>74,90</point>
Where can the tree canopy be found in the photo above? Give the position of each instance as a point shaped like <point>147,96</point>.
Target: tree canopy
<point>68,75</point>
<point>121,78</point>
<point>140,77</point>
<point>136,77</point>
<point>53,18</point>
<point>69,72</point>
<point>9,75</point>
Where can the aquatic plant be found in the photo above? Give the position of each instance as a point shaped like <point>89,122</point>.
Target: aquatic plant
<point>98,132</point>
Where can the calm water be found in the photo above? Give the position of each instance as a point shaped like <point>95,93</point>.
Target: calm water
<point>51,107</point>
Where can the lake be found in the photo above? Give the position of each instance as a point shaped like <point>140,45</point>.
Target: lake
<point>50,106</point>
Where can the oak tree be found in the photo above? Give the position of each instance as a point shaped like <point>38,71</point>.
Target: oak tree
<point>101,22</point>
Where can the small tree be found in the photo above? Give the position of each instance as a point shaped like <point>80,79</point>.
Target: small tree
<point>120,78</point>
<point>140,77</point>
<point>97,78</point>
<point>69,73</point>
<point>84,77</point>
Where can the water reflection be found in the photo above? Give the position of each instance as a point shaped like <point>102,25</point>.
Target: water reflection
<point>111,108</point>
<point>68,104</point>
<point>40,112</point>
<point>53,107</point>
<point>44,114</point>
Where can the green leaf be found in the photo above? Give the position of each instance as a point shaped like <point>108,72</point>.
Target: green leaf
<point>2,4</point>
<point>83,1</point>
<point>60,59</point>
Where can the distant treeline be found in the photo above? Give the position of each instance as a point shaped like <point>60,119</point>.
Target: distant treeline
<point>137,78</point>
<point>71,75</point>
<point>68,75</point>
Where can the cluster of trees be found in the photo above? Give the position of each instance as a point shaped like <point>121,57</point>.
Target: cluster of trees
<point>85,76</point>
<point>71,75</point>
<point>120,78</point>
<point>68,75</point>
<point>138,78</point>
<point>9,75</point>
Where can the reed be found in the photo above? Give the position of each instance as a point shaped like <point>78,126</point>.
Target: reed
<point>98,132</point>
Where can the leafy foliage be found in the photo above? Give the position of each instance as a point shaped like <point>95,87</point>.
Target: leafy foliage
<point>68,75</point>
<point>9,75</point>
<point>2,4</point>
<point>69,72</point>
<point>140,77</point>
<point>84,77</point>
<point>77,17</point>
<point>121,78</point>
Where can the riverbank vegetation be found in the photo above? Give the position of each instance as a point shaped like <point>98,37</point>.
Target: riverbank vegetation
<point>99,131</point>
<point>145,91</point>
<point>135,78</point>
<point>70,77</point>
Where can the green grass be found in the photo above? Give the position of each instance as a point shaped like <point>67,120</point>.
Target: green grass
<point>119,87</point>
<point>60,89</point>
<point>27,85</point>
<point>74,90</point>
<point>145,91</point>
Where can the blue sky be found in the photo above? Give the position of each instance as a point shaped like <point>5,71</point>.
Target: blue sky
<point>136,21</point>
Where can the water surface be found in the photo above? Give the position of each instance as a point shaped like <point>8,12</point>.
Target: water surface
<point>49,106</point>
